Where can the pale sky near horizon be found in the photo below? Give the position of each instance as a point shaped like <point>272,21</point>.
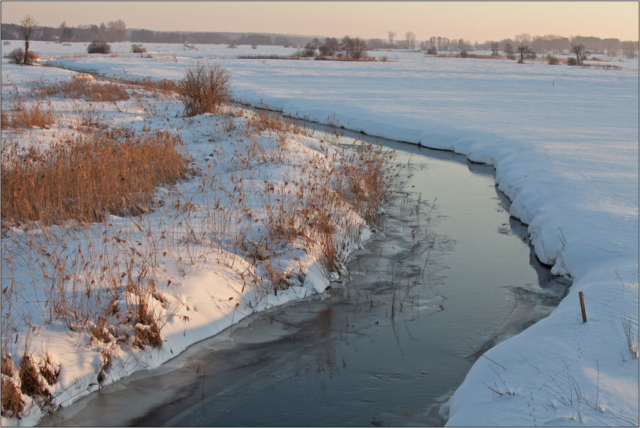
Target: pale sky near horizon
<point>475,21</point>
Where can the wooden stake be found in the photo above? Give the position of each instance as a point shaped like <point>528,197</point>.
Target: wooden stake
<point>204,375</point>
<point>584,311</point>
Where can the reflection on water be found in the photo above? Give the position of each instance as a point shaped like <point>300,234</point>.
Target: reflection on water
<point>450,276</point>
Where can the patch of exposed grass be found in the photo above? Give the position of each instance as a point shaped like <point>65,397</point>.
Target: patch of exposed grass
<point>86,89</point>
<point>92,175</point>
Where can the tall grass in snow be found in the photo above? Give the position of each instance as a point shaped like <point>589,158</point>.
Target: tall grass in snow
<point>86,178</point>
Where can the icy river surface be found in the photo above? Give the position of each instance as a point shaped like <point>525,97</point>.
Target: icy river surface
<point>449,276</point>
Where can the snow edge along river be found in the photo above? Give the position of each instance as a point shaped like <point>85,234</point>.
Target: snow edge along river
<point>531,378</point>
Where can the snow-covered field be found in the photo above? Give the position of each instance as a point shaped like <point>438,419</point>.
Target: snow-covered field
<point>564,141</point>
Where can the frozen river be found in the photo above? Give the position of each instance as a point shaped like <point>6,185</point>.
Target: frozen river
<point>439,285</point>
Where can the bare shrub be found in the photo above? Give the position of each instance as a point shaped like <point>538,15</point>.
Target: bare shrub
<point>204,89</point>
<point>88,177</point>
<point>99,47</point>
<point>86,89</point>
<point>464,53</point>
<point>572,61</point>
<point>552,60</point>
<point>137,48</point>
<point>432,51</point>
<point>164,85</point>
<point>16,56</point>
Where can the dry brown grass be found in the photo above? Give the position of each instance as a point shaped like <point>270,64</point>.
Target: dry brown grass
<point>12,404</point>
<point>86,89</point>
<point>30,383</point>
<point>164,85</point>
<point>147,331</point>
<point>92,175</point>
<point>28,117</point>
<point>47,370</point>
<point>362,178</point>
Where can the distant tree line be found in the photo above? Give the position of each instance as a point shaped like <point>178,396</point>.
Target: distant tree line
<point>538,44</point>
<point>116,31</point>
<point>112,31</point>
<point>347,47</point>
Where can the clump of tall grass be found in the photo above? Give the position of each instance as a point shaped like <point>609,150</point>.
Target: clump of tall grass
<point>90,176</point>
<point>21,116</point>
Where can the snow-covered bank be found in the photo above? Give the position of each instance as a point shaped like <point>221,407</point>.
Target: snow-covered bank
<point>241,236</point>
<point>564,142</point>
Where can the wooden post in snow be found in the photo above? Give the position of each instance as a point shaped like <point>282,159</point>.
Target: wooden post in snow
<point>584,311</point>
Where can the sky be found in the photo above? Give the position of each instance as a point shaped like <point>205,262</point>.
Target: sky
<point>475,21</point>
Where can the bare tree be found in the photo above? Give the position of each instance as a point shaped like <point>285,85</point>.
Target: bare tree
<point>411,39</point>
<point>117,30</point>
<point>27,25</point>
<point>359,48</point>
<point>392,36</point>
<point>525,52</point>
<point>330,47</point>
<point>580,52</point>
<point>346,45</point>
<point>309,50</point>
<point>523,39</point>
<point>495,47</point>
<point>63,26</point>
<point>508,49</point>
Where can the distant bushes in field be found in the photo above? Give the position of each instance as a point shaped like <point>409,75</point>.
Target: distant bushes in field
<point>204,89</point>
<point>552,60</point>
<point>99,47</point>
<point>16,56</point>
<point>136,48</point>
<point>432,51</point>
<point>572,61</point>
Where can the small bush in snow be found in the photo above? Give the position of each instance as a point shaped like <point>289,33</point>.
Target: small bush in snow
<point>572,61</point>
<point>99,47</point>
<point>552,60</point>
<point>16,56</point>
<point>204,89</point>
<point>138,48</point>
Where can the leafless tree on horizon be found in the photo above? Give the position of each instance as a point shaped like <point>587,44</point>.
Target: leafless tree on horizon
<point>27,26</point>
<point>411,39</point>
<point>392,36</point>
